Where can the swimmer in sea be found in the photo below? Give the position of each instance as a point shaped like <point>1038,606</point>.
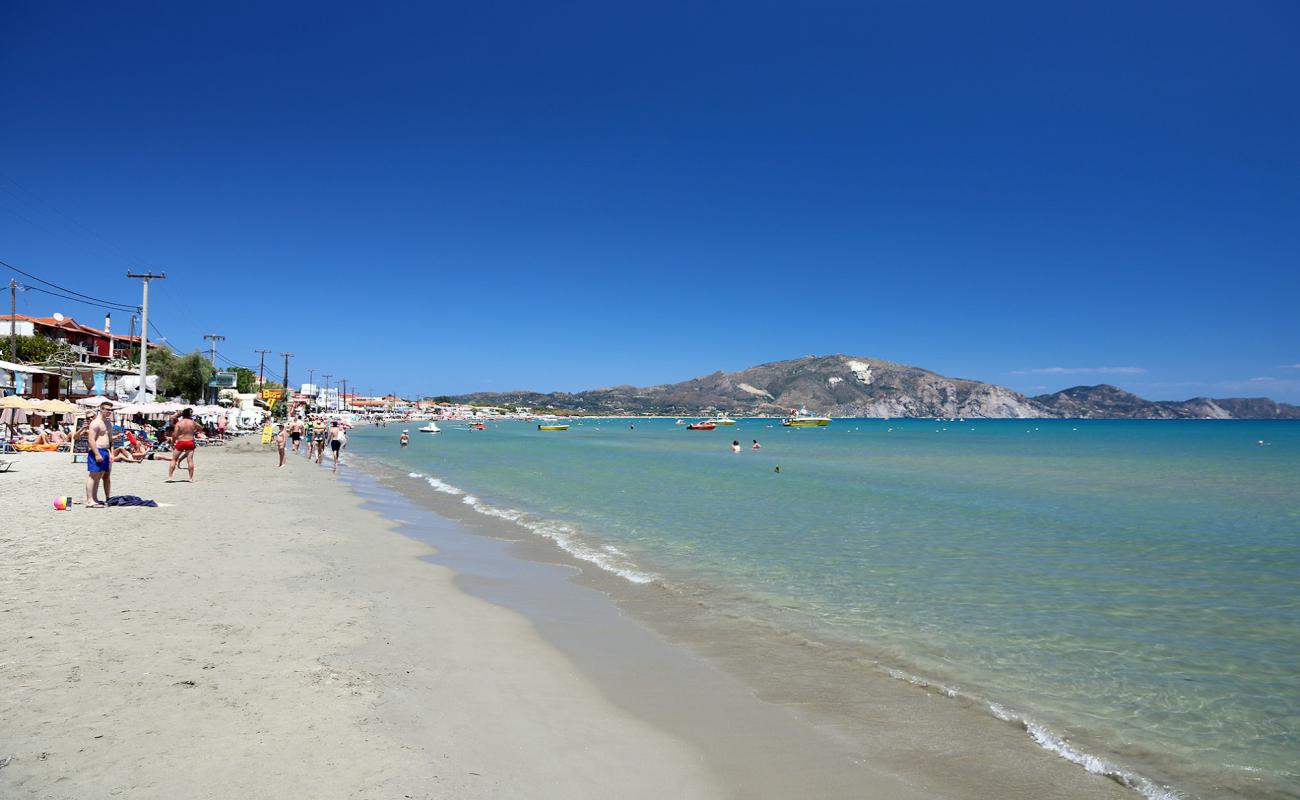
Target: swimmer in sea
<point>735,445</point>
<point>756,446</point>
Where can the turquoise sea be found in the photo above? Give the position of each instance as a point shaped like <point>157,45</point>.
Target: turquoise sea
<point>1129,590</point>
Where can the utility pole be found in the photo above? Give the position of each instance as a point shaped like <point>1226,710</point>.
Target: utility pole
<point>144,327</point>
<point>13,321</point>
<point>212,348</point>
<point>286,374</point>
<point>261,368</point>
<point>327,377</point>
<point>344,381</point>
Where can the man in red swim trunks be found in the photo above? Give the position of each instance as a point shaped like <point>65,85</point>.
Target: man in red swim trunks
<point>183,442</point>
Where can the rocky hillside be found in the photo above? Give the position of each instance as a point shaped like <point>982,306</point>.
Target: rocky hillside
<point>1111,402</point>
<point>854,386</point>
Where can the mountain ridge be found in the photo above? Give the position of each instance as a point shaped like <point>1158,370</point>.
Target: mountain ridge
<point>841,385</point>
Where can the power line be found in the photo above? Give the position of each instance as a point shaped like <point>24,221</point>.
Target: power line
<point>109,306</point>
<point>125,306</point>
<point>115,250</point>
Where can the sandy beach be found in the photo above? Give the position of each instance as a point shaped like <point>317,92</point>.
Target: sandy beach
<point>269,633</point>
<point>259,635</point>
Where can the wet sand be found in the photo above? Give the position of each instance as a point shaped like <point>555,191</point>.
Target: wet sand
<point>273,633</point>
<point>260,635</point>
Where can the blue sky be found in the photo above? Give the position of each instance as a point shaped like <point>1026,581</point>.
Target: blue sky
<point>451,197</point>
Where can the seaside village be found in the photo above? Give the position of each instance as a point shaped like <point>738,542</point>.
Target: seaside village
<point>56,372</point>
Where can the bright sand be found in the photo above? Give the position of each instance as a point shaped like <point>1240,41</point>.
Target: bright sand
<point>264,635</point>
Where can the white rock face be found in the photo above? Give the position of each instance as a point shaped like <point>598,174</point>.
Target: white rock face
<point>754,390</point>
<point>861,370</point>
<point>834,380</point>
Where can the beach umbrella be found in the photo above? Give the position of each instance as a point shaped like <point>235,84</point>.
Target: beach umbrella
<point>20,403</point>
<point>94,401</point>
<point>59,407</point>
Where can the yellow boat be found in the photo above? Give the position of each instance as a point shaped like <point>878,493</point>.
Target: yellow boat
<point>552,427</point>
<point>802,419</point>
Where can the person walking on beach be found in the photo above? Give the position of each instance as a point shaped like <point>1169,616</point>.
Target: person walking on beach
<point>338,441</point>
<point>295,433</point>
<point>99,460</point>
<point>183,433</point>
<point>317,439</point>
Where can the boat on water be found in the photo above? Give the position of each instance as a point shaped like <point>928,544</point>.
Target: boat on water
<point>706,425</point>
<point>802,419</point>
<point>432,427</point>
<point>478,426</point>
<point>552,427</point>
<point>723,420</point>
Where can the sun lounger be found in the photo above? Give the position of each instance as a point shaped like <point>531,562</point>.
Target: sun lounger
<point>5,466</point>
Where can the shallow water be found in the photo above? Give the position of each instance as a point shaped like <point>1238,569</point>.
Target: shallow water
<point>1129,589</point>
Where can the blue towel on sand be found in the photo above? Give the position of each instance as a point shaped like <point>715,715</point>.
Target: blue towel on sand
<point>130,500</point>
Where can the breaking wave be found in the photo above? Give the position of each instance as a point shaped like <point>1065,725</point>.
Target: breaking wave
<point>607,557</point>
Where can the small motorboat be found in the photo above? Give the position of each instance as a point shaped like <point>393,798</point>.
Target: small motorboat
<point>802,419</point>
<point>723,420</point>
<point>432,427</point>
<point>680,422</point>
<point>478,426</point>
<point>552,427</point>
<point>706,425</point>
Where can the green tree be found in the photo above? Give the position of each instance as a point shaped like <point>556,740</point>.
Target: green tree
<point>245,380</point>
<point>186,376</point>
<point>31,349</point>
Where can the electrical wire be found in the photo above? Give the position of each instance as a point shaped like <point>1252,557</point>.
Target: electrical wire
<point>125,306</point>
<point>112,248</point>
<point>69,298</point>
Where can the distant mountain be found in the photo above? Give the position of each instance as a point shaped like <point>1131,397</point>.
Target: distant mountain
<point>853,386</point>
<point>1111,402</point>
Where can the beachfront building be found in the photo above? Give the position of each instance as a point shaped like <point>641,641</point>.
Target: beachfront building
<point>91,361</point>
<point>87,344</point>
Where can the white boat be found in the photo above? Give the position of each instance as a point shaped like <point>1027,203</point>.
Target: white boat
<point>723,420</point>
<point>432,427</point>
<point>802,419</point>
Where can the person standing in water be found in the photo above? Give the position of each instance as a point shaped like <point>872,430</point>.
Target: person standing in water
<point>99,461</point>
<point>338,441</point>
<point>735,445</point>
<point>406,439</point>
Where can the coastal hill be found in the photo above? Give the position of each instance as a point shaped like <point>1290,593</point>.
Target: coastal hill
<point>856,386</point>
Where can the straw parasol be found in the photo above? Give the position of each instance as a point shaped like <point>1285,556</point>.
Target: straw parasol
<point>59,407</point>
<point>21,403</point>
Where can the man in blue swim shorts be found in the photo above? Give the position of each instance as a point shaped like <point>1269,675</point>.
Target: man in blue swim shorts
<point>99,461</point>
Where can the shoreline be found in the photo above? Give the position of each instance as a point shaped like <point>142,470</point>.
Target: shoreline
<point>260,634</point>
<point>658,664</point>
<point>953,747</point>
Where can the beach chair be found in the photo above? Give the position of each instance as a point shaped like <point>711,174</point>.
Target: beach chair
<point>5,466</point>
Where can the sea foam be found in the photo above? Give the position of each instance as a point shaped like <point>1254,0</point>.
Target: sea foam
<point>1054,743</point>
<point>606,557</point>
